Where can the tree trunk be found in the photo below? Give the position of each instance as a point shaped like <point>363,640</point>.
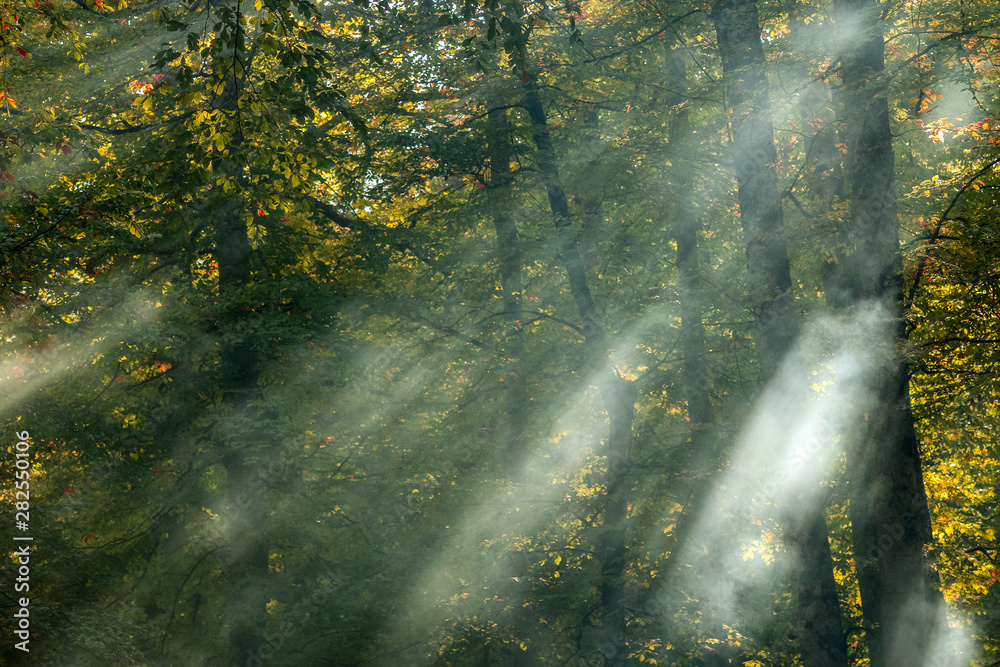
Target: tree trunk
<point>248,550</point>
<point>590,189</point>
<point>820,633</point>
<point>509,253</point>
<point>685,232</point>
<point>515,378</point>
<point>703,449</point>
<point>893,518</point>
<point>824,174</point>
<point>617,394</point>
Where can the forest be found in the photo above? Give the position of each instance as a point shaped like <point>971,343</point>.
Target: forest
<point>500,332</point>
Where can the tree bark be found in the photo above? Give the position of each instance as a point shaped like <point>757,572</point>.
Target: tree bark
<point>703,451</point>
<point>499,192</point>
<point>825,176</point>
<point>893,520</point>
<point>820,633</point>
<point>617,394</point>
<point>509,254</point>
<point>248,551</point>
<point>590,189</point>
<point>685,232</point>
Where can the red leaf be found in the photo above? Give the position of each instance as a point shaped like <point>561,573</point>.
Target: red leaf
<point>22,52</point>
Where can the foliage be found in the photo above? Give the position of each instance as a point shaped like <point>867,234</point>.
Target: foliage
<point>351,141</point>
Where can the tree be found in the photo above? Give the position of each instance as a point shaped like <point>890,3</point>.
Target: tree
<point>905,610</point>
<point>430,333</point>
<point>821,637</point>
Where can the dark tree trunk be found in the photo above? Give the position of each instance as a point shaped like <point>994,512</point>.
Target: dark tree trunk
<point>509,254</point>
<point>892,521</point>
<point>568,246</point>
<point>685,232</point>
<point>248,550</point>
<point>590,187</point>
<point>816,606</point>
<point>824,174</point>
<point>499,190</point>
<point>247,565</point>
<point>702,455</point>
<point>617,394</point>
<point>754,158</point>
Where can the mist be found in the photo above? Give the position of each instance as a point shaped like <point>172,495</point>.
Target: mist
<point>499,334</point>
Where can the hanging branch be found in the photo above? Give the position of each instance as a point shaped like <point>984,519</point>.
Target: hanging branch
<point>933,238</point>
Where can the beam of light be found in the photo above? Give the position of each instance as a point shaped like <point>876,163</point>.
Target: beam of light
<point>32,370</point>
<point>484,559</point>
<point>782,467</point>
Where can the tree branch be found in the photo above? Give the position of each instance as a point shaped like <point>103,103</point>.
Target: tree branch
<point>937,232</point>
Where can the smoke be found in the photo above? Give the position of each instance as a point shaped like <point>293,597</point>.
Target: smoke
<point>785,465</point>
